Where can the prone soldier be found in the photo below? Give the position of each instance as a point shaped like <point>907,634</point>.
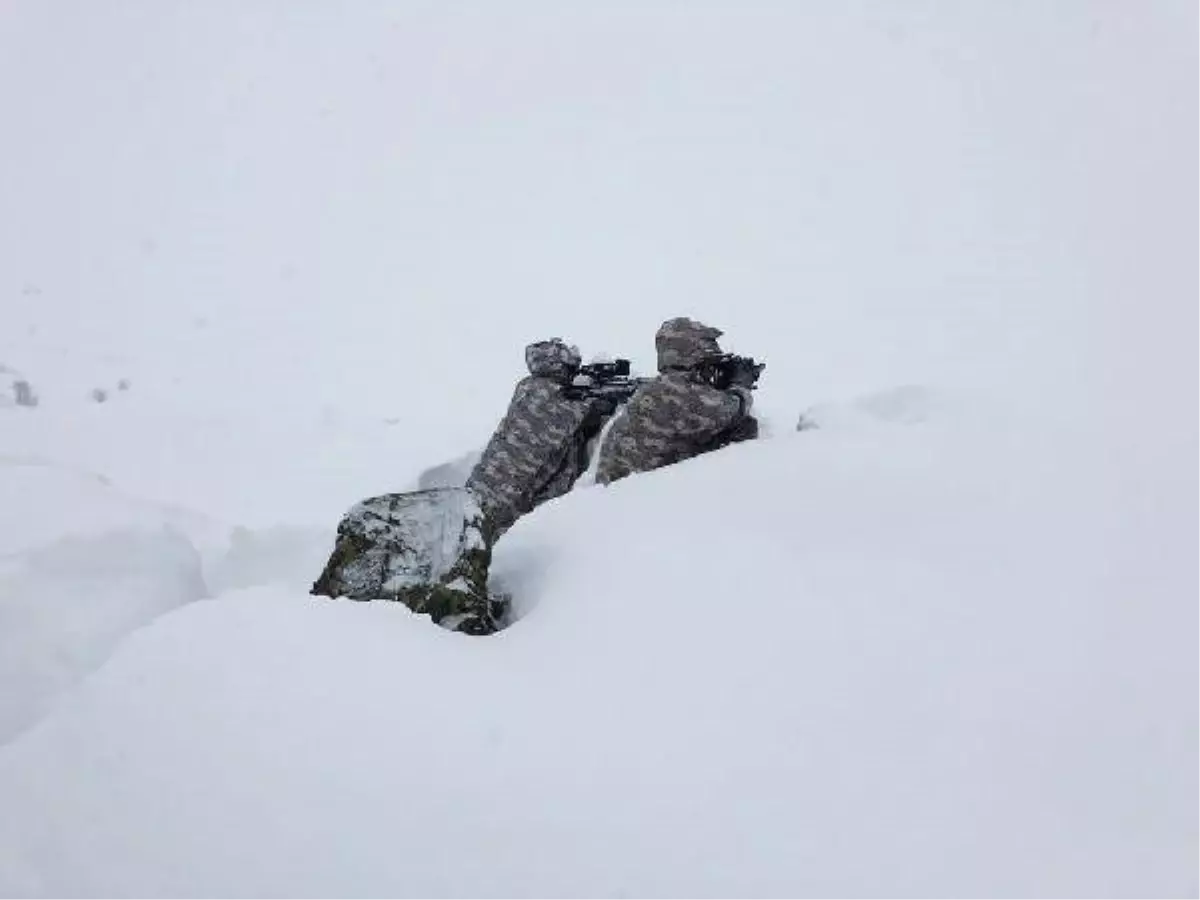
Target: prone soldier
<point>700,401</point>
<point>541,446</point>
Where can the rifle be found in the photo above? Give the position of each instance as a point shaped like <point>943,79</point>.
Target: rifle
<point>728,369</point>
<point>603,381</point>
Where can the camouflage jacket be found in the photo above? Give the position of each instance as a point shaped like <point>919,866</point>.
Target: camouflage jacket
<point>539,449</point>
<point>671,419</point>
<point>676,416</point>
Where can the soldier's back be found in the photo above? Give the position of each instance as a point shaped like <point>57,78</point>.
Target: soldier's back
<point>668,420</point>
<point>530,447</point>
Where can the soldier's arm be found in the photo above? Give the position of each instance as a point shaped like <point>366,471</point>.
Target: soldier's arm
<point>725,408</point>
<point>726,418</point>
<point>745,401</point>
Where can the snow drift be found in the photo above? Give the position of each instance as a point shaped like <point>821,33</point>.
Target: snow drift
<point>836,663</point>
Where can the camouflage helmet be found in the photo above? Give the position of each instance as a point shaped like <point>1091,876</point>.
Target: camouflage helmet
<point>682,343</point>
<point>553,359</point>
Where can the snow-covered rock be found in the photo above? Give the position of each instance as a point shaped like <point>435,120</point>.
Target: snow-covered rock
<point>425,549</point>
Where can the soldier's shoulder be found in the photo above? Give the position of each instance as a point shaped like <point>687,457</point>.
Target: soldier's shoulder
<point>683,391</point>
<point>671,385</point>
<point>536,387</point>
<point>664,381</point>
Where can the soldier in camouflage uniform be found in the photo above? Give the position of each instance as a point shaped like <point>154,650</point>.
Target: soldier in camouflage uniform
<point>431,549</point>
<point>677,415</point>
<point>540,447</point>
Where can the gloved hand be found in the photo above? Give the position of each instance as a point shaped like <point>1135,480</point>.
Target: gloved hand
<point>746,396</point>
<point>744,376</point>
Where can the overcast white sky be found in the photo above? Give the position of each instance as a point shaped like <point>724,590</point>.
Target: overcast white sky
<point>865,194</point>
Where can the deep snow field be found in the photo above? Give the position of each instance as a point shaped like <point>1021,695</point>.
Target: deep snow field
<point>944,643</point>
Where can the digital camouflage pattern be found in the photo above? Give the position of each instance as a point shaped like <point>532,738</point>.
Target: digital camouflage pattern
<point>676,416</point>
<point>685,343</point>
<point>539,449</point>
<point>425,549</point>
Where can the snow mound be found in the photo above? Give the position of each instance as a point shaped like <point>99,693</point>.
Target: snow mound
<point>452,473</point>
<point>66,606</point>
<point>281,555</point>
<point>817,665</point>
<point>81,565</point>
<point>903,405</point>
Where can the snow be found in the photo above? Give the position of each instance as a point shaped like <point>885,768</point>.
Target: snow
<point>453,473</point>
<point>943,643</point>
<point>945,719</point>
